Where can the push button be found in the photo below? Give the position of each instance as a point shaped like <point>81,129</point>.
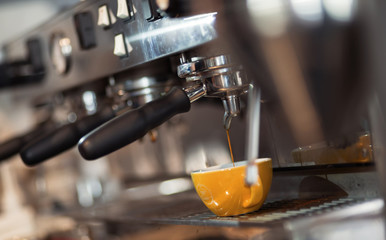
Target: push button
<point>105,16</point>
<point>85,28</point>
<point>120,46</point>
<point>123,10</point>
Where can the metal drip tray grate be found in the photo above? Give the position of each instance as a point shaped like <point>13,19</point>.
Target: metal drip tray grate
<point>270,214</point>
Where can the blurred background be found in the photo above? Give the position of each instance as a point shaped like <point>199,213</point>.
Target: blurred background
<point>20,16</point>
<point>298,81</point>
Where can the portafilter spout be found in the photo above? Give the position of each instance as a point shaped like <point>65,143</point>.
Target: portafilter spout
<point>232,109</point>
<point>222,77</point>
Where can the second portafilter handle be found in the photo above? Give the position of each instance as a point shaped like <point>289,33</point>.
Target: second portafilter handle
<point>134,124</point>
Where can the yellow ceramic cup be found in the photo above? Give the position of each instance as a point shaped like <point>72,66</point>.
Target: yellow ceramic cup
<point>224,192</point>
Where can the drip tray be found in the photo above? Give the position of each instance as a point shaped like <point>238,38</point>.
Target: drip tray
<point>187,209</point>
<point>271,213</point>
<point>186,214</point>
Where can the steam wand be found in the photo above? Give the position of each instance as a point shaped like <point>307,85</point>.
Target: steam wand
<point>254,99</point>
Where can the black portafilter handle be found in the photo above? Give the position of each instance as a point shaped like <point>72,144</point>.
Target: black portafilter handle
<point>10,147</point>
<point>63,138</point>
<point>132,125</point>
<point>14,145</point>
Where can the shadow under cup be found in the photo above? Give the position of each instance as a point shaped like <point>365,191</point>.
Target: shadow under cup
<point>223,189</point>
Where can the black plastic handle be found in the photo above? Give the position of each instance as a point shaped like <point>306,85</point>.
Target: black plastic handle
<point>63,138</point>
<point>10,147</point>
<point>132,125</point>
<point>14,145</point>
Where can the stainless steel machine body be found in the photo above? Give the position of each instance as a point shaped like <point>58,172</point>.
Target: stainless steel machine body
<point>303,77</point>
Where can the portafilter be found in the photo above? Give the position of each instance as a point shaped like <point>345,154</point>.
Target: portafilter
<point>218,76</point>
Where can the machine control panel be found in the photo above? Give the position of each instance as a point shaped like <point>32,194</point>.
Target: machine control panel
<point>114,35</point>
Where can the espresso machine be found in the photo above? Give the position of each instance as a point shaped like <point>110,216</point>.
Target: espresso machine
<point>148,88</point>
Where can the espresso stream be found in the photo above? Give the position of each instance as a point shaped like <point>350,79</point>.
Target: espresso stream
<point>230,147</point>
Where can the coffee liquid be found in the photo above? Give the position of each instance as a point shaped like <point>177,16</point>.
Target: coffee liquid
<point>230,147</point>
<point>153,136</point>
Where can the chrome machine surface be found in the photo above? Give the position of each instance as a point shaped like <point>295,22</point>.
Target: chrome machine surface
<point>147,88</point>
<point>144,41</point>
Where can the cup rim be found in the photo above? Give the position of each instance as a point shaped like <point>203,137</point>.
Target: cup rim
<point>229,166</point>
